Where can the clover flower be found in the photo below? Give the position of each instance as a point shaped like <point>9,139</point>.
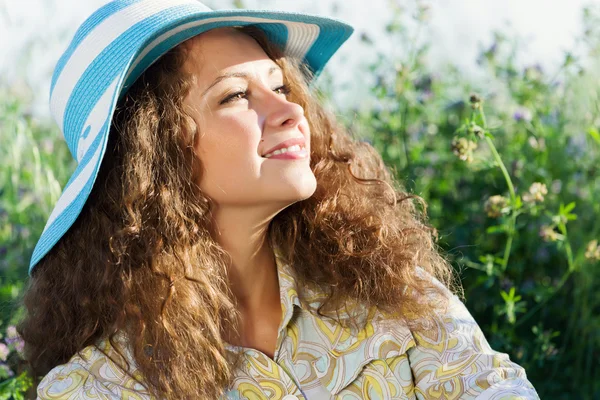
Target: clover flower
<point>19,345</point>
<point>537,144</point>
<point>494,206</point>
<point>14,340</point>
<point>11,332</point>
<point>463,148</point>
<point>592,251</point>
<point>476,130</point>
<point>522,114</point>
<point>475,101</point>
<point>548,234</point>
<point>536,193</point>
<point>4,352</point>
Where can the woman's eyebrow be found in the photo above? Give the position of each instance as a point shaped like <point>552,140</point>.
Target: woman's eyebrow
<point>236,75</point>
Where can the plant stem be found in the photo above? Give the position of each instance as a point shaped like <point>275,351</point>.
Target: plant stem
<point>571,268</point>
<point>511,189</point>
<point>405,139</point>
<point>568,250</point>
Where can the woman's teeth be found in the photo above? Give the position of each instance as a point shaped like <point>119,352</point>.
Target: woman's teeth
<point>295,147</point>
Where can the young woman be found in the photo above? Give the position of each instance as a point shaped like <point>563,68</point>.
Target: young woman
<point>222,237</point>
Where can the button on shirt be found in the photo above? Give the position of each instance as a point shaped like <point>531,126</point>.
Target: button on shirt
<point>317,358</point>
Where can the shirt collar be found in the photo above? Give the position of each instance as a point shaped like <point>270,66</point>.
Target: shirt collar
<point>288,294</point>
<point>287,288</point>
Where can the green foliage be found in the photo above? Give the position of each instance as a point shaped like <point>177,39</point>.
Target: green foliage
<point>16,388</point>
<point>508,166</point>
<point>34,165</point>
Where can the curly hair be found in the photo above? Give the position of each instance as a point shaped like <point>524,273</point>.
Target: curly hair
<point>141,259</point>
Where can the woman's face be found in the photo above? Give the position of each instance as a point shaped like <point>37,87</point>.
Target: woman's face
<point>240,107</point>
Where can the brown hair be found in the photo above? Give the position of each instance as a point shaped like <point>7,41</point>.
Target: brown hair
<point>140,258</point>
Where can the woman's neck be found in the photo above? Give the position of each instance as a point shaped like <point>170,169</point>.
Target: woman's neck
<point>252,270</point>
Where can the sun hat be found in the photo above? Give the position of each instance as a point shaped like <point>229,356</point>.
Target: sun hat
<point>116,44</point>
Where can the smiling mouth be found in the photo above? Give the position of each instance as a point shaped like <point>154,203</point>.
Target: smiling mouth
<point>292,152</point>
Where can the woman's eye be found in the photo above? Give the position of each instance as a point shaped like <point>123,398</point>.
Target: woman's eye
<point>233,97</point>
<point>283,89</point>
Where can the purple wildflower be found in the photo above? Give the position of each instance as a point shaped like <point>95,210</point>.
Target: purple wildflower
<point>11,332</point>
<point>4,352</point>
<point>11,335</point>
<point>19,345</point>
<point>522,114</point>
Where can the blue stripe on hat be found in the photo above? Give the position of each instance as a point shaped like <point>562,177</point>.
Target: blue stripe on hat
<point>65,219</point>
<point>84,30</point>
<point>107,65</point>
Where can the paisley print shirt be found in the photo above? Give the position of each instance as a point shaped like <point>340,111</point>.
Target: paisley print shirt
<point>316,358</point>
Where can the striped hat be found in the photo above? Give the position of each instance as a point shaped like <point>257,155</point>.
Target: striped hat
<point>112,48</point>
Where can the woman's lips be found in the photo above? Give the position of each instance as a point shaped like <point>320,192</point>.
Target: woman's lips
<point>291,155</point>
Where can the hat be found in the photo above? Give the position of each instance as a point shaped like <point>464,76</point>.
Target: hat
<point>116,44</point>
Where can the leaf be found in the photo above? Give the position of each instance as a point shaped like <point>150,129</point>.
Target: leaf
<point>518,203</point>
<point>7,388</point>
<point>568,208</point>
<point>594,134</point>
<point>496,229</point>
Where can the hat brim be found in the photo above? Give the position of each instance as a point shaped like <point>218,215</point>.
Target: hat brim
<point>87,84</point>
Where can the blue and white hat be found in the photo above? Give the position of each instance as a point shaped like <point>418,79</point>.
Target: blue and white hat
<point>116,44</point>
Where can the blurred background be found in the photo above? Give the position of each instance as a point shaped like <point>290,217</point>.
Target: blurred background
<point>488,110</point>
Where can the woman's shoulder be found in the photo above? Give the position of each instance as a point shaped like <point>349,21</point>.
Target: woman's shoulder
<point>454,353</point>
<point>93,373</point>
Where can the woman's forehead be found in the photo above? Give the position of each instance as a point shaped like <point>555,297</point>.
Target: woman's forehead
<point>223,49</point>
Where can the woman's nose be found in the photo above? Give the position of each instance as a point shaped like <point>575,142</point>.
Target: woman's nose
<point>283,113</point>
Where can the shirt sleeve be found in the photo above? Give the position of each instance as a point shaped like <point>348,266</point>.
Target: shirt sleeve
<point>72,381</point>
<point>91,374</point>
<point>84,381</point>
<point>453,360</point>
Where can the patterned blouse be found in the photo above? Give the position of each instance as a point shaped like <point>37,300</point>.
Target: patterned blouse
<point>316,358</point>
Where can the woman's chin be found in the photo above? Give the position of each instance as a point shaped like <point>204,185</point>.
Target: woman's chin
<point>298,189</point>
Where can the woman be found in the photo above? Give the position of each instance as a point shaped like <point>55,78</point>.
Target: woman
<point>234,242</point>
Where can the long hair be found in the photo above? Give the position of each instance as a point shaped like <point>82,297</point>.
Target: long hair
<point>140,259</point>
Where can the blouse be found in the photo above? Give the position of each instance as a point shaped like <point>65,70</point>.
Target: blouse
<point>316,358</point>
